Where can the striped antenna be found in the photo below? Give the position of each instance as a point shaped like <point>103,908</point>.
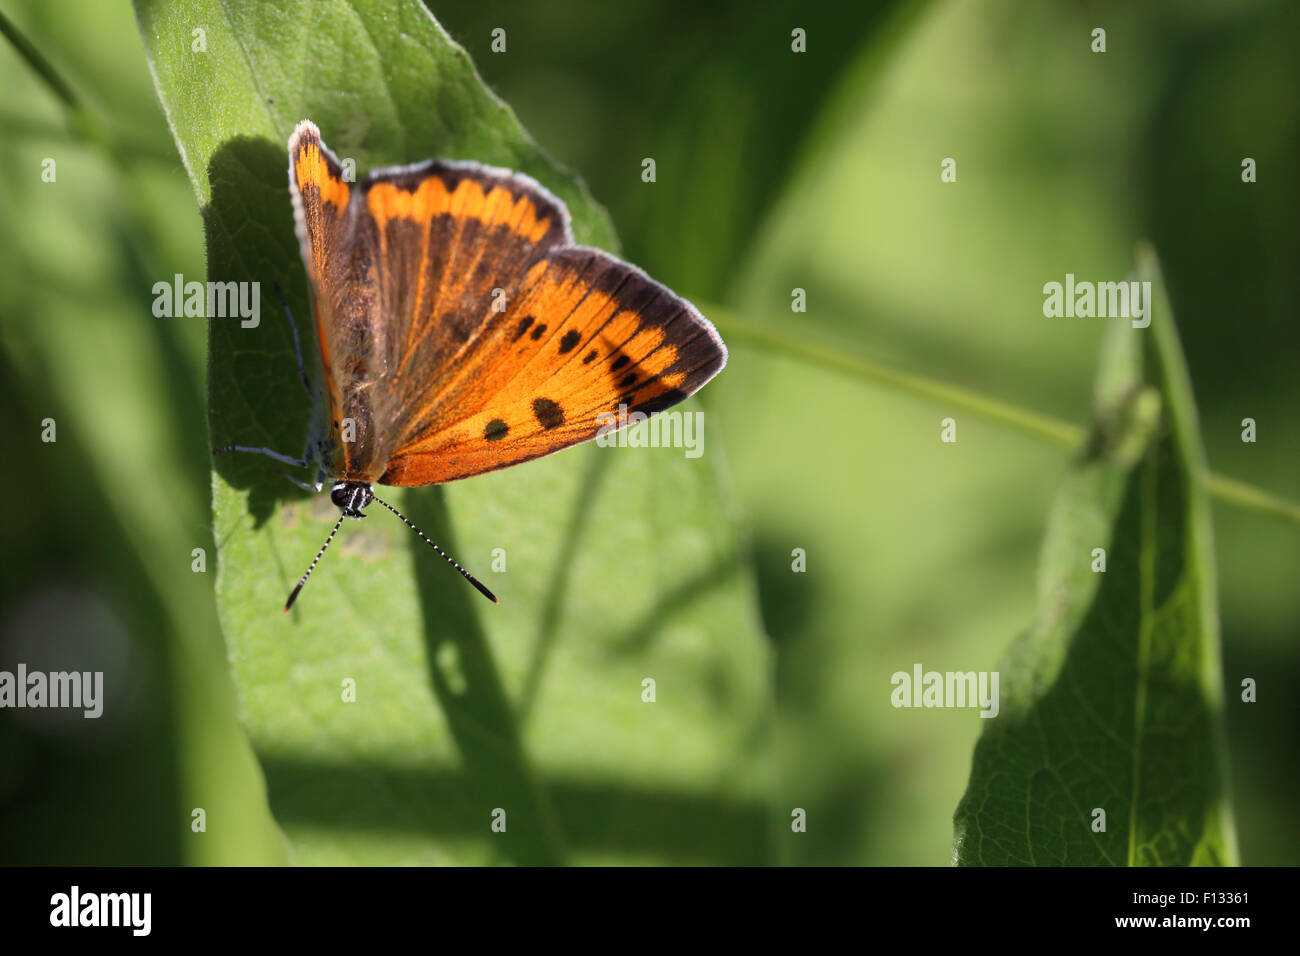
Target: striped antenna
<point>465,574</point>
<point>293,596</point>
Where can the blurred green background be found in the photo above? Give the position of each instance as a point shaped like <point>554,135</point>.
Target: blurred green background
<point>776,170</point>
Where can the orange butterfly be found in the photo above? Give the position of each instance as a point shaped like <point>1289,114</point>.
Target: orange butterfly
<point>460,330</point>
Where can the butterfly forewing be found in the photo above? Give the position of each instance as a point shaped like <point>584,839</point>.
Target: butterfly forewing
<point>583,334</point>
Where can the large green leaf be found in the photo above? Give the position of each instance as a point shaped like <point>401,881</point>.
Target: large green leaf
<point>1112,701</point>
<point>621,565</point>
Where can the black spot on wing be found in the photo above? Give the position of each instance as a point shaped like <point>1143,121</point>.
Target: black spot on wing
<point>522,327</point>
<point>589,357</point>
<point>569,341</point>
<point>495,430</point>
<point>549,414</point>
<point>537,332</point>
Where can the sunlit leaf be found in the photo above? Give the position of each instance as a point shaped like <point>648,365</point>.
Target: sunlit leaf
<point>620,564</point>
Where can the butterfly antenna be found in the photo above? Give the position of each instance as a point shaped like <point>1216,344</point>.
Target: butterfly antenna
<point>465,574</point>
<point>293,595</point>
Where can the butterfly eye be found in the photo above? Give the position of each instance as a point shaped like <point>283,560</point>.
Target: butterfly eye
<point>340,495</point>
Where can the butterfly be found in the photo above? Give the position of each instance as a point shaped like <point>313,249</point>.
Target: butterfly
<point>460,330</point>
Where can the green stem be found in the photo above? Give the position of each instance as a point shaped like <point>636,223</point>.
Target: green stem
<point>80,117</point>
<point>36,60</point>
<point>1061,432</point>
<point>1042,426</point>
<point>1238,493</point>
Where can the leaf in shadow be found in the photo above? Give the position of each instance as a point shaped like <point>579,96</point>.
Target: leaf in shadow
<point>606,817</point>
<point>254,394</point>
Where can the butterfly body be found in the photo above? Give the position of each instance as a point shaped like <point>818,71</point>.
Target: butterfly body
<point>460,330</point>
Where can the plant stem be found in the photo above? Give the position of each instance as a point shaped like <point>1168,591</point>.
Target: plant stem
<point>80,117</point>
<point>1228,490</point>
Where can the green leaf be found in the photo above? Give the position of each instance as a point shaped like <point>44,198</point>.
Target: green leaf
<point>620,564</point>
<point>1113,699</point>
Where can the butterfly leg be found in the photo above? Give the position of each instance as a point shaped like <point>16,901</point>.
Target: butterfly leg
<point>304,485</point>
<point>287,459</point>
<point>297,345</point>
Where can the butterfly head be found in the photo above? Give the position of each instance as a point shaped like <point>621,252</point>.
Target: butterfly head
<point>351,497</point>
